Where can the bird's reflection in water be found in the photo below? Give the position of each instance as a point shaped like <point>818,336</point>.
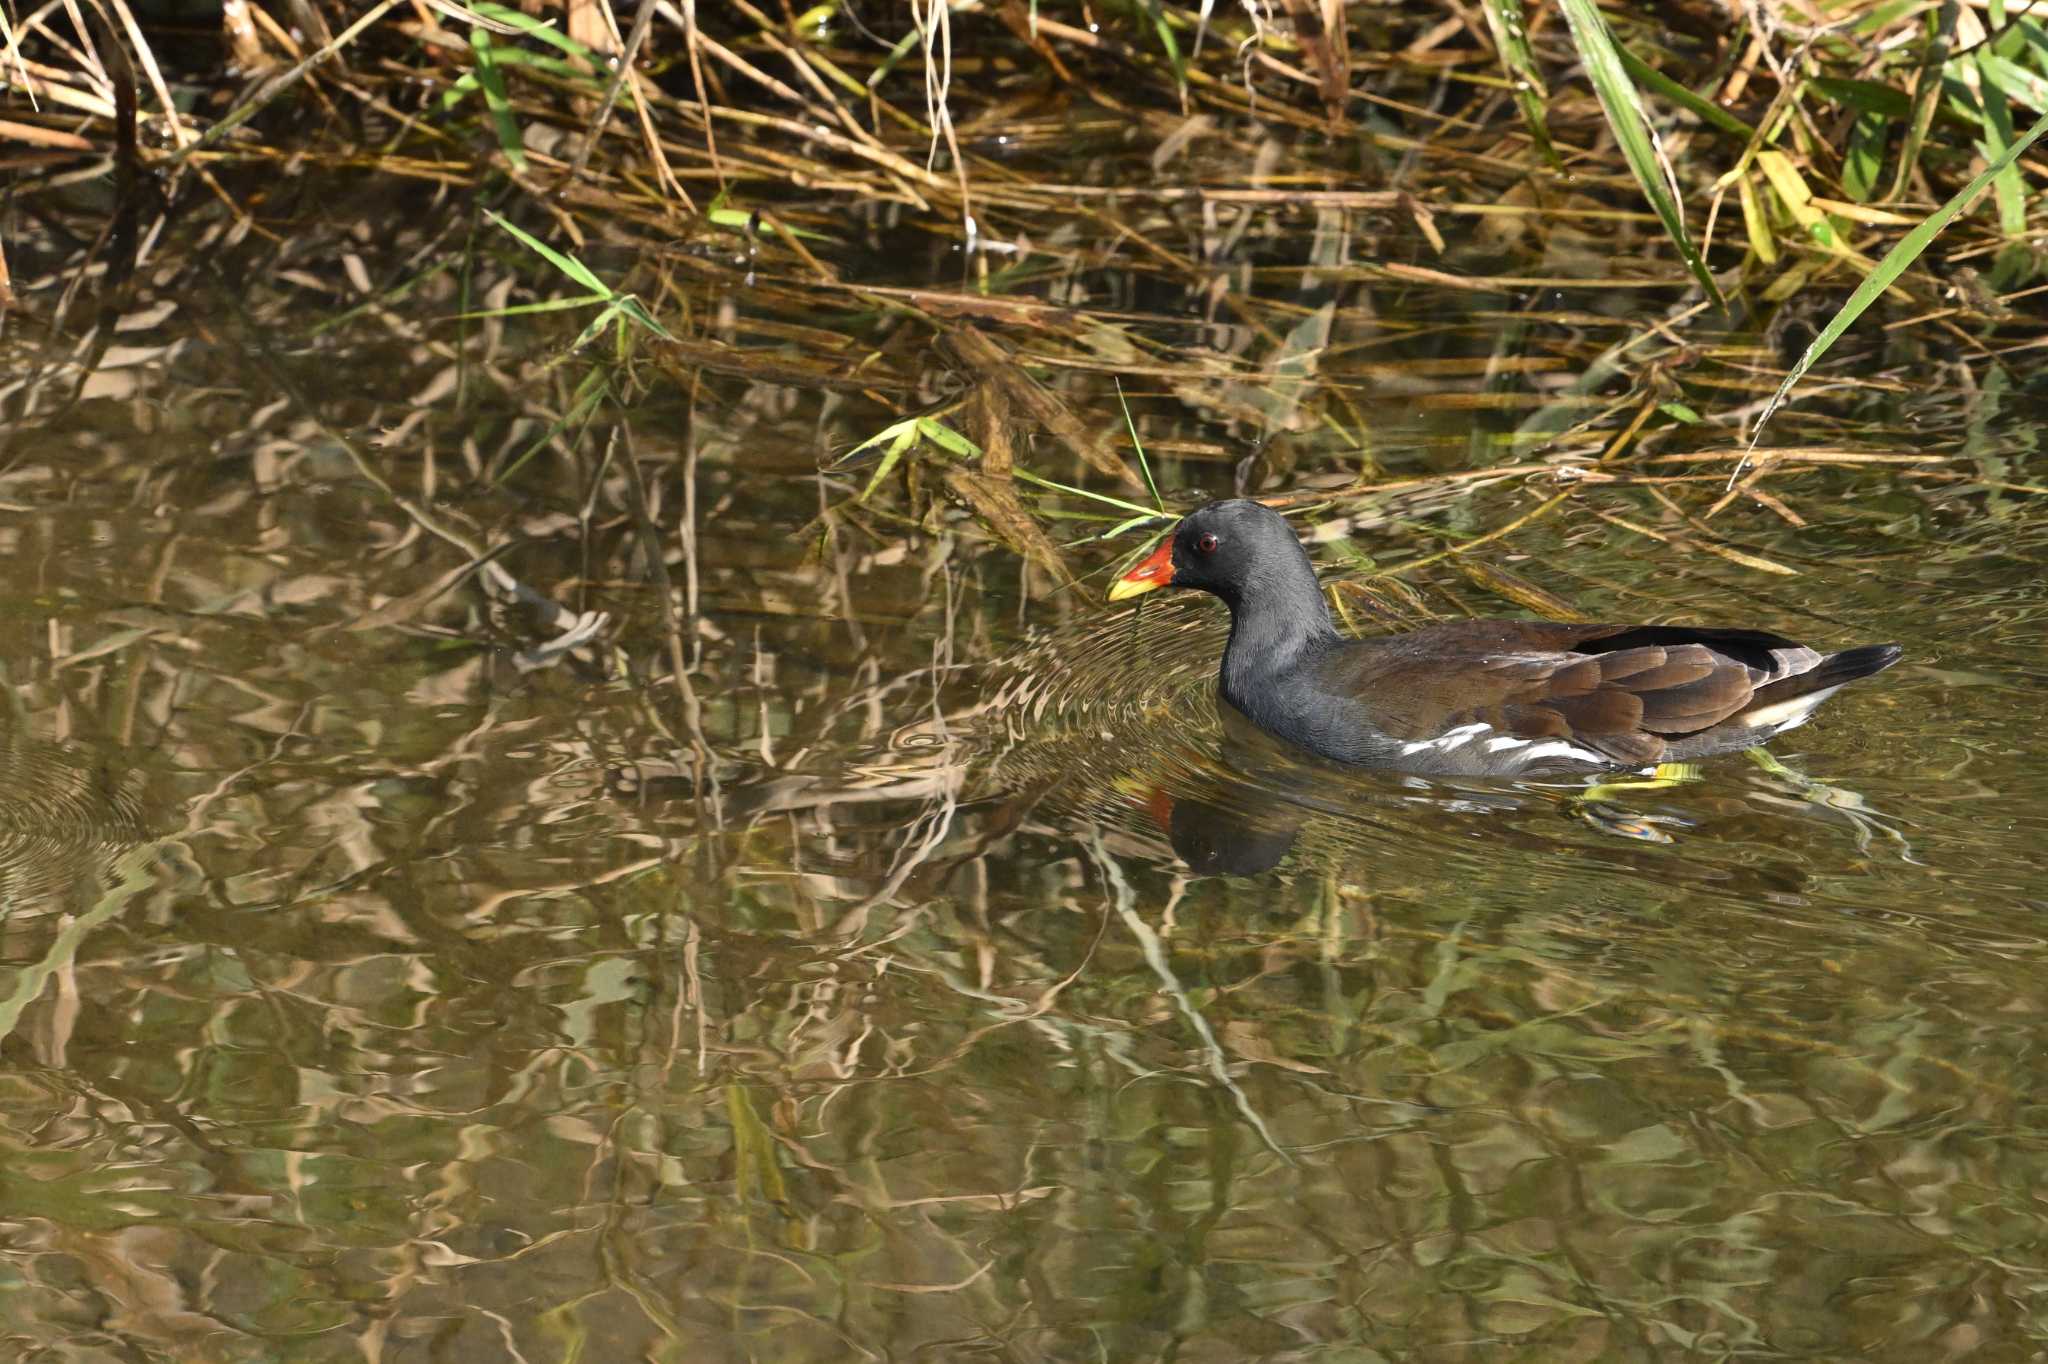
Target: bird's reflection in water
<point>1233,838</point>
<point>1242,814</point>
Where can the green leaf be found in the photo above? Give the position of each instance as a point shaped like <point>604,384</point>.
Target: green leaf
<point>1888,270</point>
<point>1697,105</point>
<point>1867,97</point>
<point>896,440</point>
<point>1157,13</point>
<point>1625,116</point>
<point>534,28</point>
<point>889,63</point>
<point>492,80</point>
<point>552,305</point>
<point>741,220</point>
<point>2019,84</point>
<point>1510,28</point>
<point>597,324</point>
<point>1127,524</point>
<point>1679,412</point>
<point>1997,122</point>
<point>887,433</point>
<point>540,61</point>
<point>947,439</point>
<point>905,435</point>
<point>1025,476</point>
<point>1941,34</point>
<point>640,317</point>
<point>1864,161</point>
<point>568,265</point>
<point>617,305</point>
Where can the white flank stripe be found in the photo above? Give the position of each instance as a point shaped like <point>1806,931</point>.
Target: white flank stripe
<point>1527,750</point>
<point>1558,748</point>
<point>1449,739</point>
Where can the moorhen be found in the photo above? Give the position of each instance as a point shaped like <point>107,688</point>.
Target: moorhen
<point>1480,697</point>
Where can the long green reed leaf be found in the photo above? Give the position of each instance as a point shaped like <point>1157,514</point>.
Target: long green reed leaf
<point>1624,109</point>
<point>616,304</point>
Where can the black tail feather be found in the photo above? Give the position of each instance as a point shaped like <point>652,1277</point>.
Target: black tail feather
<point>1834,670</point>
<point>1850,664</point>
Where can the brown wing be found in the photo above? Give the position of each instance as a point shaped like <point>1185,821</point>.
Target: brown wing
<point>1622,691</point>
<point>1624,704</point>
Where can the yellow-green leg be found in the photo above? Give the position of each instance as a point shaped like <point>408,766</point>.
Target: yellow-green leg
<point>1837,800</point>
<point>1596,804</point>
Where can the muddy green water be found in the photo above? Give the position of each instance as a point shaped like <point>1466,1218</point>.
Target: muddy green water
<point>936,980</point>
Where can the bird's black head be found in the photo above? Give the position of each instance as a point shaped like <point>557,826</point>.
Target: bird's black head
<point>1234,550</point>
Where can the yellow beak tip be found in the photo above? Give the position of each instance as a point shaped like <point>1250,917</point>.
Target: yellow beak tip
<point>1123,589</point>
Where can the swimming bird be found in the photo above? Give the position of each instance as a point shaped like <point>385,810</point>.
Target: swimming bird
<point>1480,697</point>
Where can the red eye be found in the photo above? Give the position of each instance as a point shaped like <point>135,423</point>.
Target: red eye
<point>1206,543</point>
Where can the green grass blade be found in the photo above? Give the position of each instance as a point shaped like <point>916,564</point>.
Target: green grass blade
<point>1105,499</point>
<point>743,220</point>
<point>896,55</point>
<point>640,317</point>
<point>597,324</point>
<point>1510,29</point>
<point>1864,160</point>
<point>534,28</point>
<point>1127,524</point>
<point>1888,270</point>
<point>1624,108</point>
<point>2018,83</point>
<point>1607,68</point>
<point>1156,12</point>
<point>1866,97</point>
<point>1941,37</point>
<point>893,432</point>
<point>906,436</point>
<point>1997,123</point>
<point>1697,105</point>
<point>1144,465</point>
<point>492,81</point>
<point>552,305</point>
<point>947,439</point>
<point>568,265</point>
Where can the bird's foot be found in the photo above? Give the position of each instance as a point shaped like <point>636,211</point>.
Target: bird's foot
<point>1597,803</point>
<point>1869,824</point>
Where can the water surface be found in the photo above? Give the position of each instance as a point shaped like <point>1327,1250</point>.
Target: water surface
<point>924,972</point>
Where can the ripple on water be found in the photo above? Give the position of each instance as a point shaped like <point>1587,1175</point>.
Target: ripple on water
<point>63,810</point>
<point>1108,711</point>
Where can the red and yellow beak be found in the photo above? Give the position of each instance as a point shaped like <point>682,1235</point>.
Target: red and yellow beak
<point>1154,572</point>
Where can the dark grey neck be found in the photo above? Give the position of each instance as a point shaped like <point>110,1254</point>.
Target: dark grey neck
<point>1278,620</point>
